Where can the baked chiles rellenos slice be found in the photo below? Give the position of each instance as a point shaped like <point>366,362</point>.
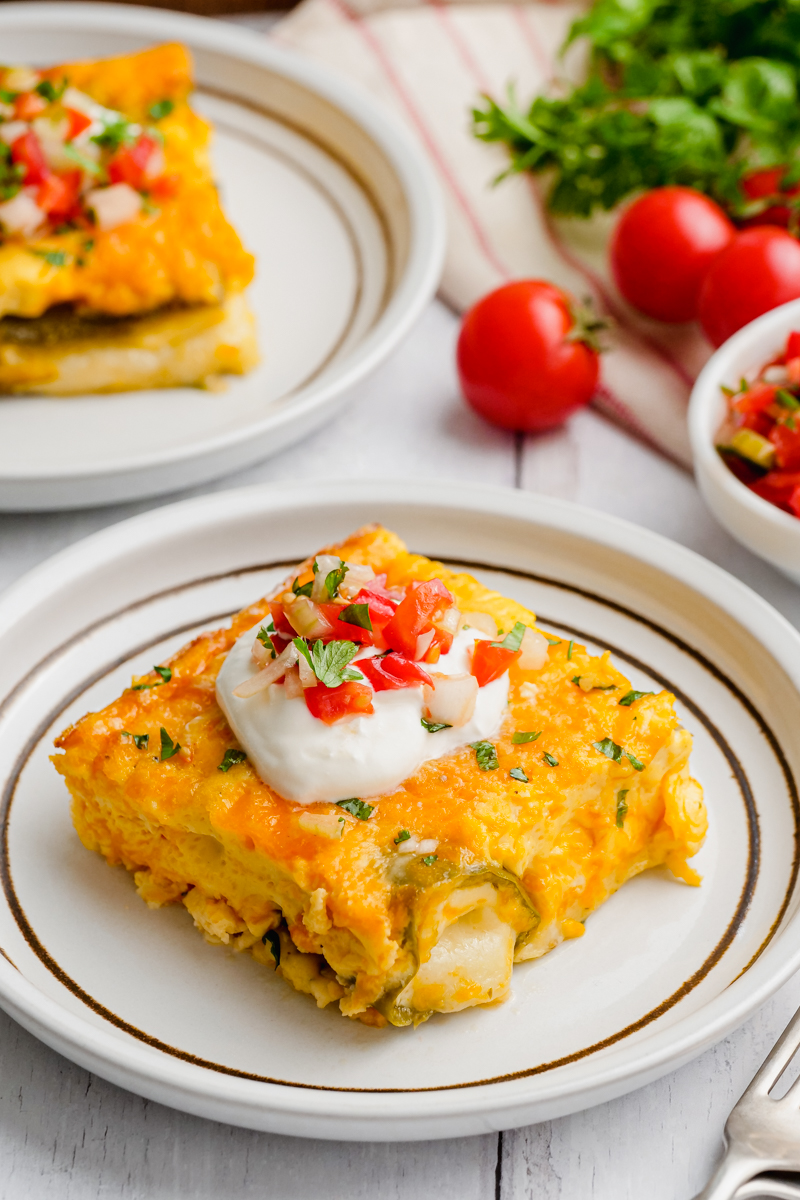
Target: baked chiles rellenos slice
<point>385,783</point>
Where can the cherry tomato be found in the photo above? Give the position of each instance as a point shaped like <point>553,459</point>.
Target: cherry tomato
<point>414,615</point>
<point>523,360</point>
<point>662,248</point>
<point>331,704</point>
<point>490,662</point>
<point>759,270</point>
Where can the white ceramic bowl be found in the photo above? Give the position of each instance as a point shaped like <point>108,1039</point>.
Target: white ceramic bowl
<point>757,524</point>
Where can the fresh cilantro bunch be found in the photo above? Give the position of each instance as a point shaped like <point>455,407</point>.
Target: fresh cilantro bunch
<point>693,92</point>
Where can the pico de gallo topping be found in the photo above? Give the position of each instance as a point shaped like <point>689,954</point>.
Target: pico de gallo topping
<point>338,635</point>
<point>760,440</point>
<point>67,162</point>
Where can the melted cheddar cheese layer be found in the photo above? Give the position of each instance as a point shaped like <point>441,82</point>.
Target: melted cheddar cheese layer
<point>519,865</point>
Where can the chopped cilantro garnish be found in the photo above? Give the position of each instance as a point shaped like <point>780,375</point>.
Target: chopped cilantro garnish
<point>622,807</point>
<point>518,773</point>
<point>569,651</point>
<point>266,640</point>
<point>305,590</point>
<point>434,726</point>
<point>548,758</point>
<point>334,580</point>
<point>486,755</point>
<point>329,660</point>
<point>49,92</point>
<point>403,836</point>
<point>787,400</point>
<point>430,859</point>
<point>230,759</point>
<point>634,761</point>
<point>609,748</point>
<point>554,641</point>
<point>627,700</point>
<point>597,687</point>
<point>517,739</point>
<point>168,748</point>
<point>54,258</point>
<point>513,640</point>
<point>113,135</point>
<point>140,740</point>
<point>164,672</point>
<point>272,939</point>
<point>161,109</point>
<point>356,808</point>
<point>8,97</point>
<point>356,614</point>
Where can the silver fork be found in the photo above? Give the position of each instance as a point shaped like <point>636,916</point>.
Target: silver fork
<point>762,1134</point>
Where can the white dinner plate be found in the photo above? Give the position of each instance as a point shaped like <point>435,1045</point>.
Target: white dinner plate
<point>663,971</point>
<point>342,213</point>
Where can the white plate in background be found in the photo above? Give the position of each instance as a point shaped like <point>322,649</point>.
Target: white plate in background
<point>342,213</point>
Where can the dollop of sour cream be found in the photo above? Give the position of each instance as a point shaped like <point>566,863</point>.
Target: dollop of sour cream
<point>305,760</point>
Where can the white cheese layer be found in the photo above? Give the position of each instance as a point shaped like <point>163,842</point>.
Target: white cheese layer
<point>305,760</point>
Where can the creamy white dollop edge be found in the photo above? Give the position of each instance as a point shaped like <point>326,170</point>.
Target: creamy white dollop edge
<point>306,761</point>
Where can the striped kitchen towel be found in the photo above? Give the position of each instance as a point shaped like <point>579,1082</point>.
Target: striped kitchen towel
<point>430,62</point>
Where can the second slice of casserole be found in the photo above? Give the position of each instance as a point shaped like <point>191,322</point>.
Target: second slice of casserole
<point>421,790</point>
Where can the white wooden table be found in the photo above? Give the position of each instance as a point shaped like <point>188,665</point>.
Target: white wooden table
<point>66,1135</point>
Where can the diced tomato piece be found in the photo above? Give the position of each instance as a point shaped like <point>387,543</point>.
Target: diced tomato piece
<point>389,672</point>
<point>794,502</point>
<point>130,162</point>
<point>78,121</point>
<point>165,187</point>
<point>777,487</point>
<point>441,644</point>
<point>489,662</point>
<point>414,615</point>
<point>756,398</point>
<point>27,150</point>
<point>281,621</point>
<point>759,422</point>
<point>793,369</point>
<point>331,704</point>
<point>29,105</point>
<point>787,446</point>
<point>793,346</point>
<point>59,194</point>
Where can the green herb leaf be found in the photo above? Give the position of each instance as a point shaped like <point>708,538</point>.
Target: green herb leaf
<point>548,758</point>
<point>305,590</point>
<point>8,97</point>
<point>140,740</point>
<point>434,726</point>
<point>622,807</point>
<point>230,759</point>
<point>329,660</point>
<point>609,748</point>
<point>518,773</point>
<point>334,580</point>
<point>161,109</point>
<point>486,755</point>
<point>598,687</point>
<point>272,939</point>
<point>569,651</point>
<point>520,737</point>
<point>429,859</point>
<point>164,672</point>
<point>403,836</point>
<point>168,748</point>
<point>356,614</point>
<point>49,92</point>
<point>554,641</point>
<point>513,640</point>
<point>627,700</point>
<point>637,766</point>
<point>114,135</point>
<point>266,640</point>
<point>356,808</point>
<point>787,400</point>
<point>54,258</point>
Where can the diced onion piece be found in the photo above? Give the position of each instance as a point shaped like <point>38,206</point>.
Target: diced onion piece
<point>451,700</point>
<point>261,654</point>
<point>307,618</point>
<point>115,205</point>
<point>272,672</point>
<point>448,622</point>
<point>427,846</point>
<point>307,677</point>
<point>326,824</point>
<point>11,130</point>
<point>483,622</point>
<point>777,373</point>
<point>423,644</point>
<point>533,650</point>
<point>20,79</point>
<point>356,578</point>
<point>21,214</point>
<point>325,564</point>
<point>293,686</point>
